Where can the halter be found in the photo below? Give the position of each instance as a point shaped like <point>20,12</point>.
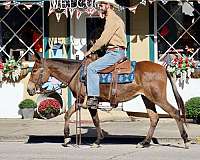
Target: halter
<point>38,82</point>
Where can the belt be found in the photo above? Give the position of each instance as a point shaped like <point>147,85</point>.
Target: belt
<point>116,48</point>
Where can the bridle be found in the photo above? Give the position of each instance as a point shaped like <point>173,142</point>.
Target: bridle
<point>38,82</point>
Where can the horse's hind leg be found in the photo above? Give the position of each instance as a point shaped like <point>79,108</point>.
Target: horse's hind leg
<point>95,119</point>
<point>174,113</point>
<point>154,118</point>
<point>67,117</point>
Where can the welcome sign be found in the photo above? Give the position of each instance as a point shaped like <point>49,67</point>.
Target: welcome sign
<point>62,4</point>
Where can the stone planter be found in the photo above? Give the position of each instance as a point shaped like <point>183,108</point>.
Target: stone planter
<point>49,114</point>
<point>27,113</point>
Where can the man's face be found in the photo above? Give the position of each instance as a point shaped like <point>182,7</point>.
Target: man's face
<point>103,7</point>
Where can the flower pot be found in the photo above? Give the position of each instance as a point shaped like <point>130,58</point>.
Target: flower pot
<point>48,115</point>
<point>196,120</point>
<point>27,113</point>
<point>49,108</point>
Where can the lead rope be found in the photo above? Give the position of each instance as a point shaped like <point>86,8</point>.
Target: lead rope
<point>78,115</point>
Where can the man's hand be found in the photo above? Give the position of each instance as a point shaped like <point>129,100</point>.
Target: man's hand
<point>86,54</point>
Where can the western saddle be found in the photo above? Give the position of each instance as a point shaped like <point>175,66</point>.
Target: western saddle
<point>121,67</point>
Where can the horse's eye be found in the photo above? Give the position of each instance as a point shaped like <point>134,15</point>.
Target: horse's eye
<point>35,70</point>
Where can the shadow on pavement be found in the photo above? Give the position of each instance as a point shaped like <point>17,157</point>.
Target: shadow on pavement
<point>89,137</point>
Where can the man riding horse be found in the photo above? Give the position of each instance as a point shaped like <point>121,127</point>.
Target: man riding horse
<point>150,80</point>
<point>114,38</point>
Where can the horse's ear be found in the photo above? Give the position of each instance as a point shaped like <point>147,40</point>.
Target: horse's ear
<point>36,57</point>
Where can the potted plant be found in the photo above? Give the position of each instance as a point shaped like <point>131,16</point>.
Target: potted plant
<point>27,108</point>
<point>193,109</point>
<point>49,108</point>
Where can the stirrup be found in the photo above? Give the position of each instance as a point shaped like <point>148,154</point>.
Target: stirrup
<point>92,102</point>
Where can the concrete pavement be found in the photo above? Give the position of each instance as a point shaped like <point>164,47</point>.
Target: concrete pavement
<point>54,151</point>
<point>119,128</point>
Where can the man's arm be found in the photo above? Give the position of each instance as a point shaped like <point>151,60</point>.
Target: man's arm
<point>109,29</point>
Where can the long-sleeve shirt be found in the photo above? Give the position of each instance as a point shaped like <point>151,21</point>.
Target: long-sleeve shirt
<point>113,34</point>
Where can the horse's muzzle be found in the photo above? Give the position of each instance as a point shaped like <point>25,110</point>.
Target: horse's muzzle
<point>31,88</point>
<point>31,92</point>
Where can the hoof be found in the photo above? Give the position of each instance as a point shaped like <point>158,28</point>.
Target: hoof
<point>139,145</point>
<point>65,145</point>
<point>187,145</point>
<point>143,145</point>
<point>94,145</point>
<point>187,142</point>
<point>67,140</point>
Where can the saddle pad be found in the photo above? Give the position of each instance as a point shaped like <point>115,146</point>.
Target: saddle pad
<point>107,78</point>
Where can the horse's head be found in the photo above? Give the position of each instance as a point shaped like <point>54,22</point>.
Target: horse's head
<point>39,75</point>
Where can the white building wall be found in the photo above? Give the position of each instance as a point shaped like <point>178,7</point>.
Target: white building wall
<point>10,97</point>
<point>190,90</point>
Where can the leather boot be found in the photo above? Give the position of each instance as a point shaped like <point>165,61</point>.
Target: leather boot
<point>92,102</point>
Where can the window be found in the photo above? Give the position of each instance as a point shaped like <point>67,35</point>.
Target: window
<point>21,31</point>
<point>178,28</point>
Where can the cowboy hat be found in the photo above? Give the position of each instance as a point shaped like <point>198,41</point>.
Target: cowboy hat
<point>112,2</point>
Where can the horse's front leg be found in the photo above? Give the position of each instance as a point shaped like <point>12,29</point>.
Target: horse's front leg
<point>95,119</point>
<point>67,117</point>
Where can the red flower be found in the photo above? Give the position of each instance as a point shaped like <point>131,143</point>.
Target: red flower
<point>164,31</point>
<point>176,60</point>
<point>179,65</point>
<point>180,59</point>
<point>1,65</point>
<point>186,60</point>
<point>49,104</point>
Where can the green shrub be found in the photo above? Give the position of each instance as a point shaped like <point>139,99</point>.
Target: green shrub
<point>27,103</point>
<point>193,108</point>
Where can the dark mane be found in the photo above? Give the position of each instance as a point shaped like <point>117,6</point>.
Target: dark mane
<point>64,60</point>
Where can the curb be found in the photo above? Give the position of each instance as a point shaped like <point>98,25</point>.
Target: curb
<point>14,139</point>
<point>198,140</point>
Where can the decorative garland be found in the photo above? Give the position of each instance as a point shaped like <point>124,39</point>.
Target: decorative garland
<point>10,71</point>
<point>181,68</point>
<point>73,6</point>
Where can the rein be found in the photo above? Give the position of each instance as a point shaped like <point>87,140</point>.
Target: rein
<point>67,83</point>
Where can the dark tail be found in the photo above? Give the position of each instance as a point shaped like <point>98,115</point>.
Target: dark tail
<point>178,98</point>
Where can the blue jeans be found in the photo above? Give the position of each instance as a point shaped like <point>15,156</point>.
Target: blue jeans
<point>110,58</point>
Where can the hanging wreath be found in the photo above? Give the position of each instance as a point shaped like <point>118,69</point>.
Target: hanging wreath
<point>182,68</point>
<point>10,71</point>
<point>1,71</point>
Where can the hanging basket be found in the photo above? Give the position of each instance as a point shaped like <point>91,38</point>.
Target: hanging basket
<point>181,68</point>
<point>12,71</point>
<point>49,108</point>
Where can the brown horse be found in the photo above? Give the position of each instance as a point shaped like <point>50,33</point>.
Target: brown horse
<point>150,82</point>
